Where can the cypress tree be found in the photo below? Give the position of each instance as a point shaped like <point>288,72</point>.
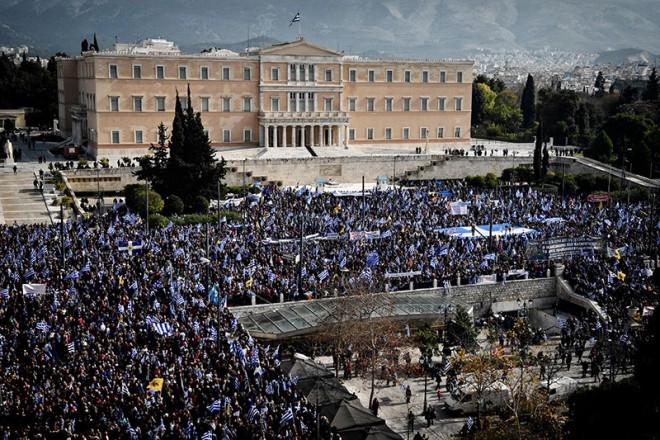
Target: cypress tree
<point>528,103</point>
<point>538,151</point>
<point>652,90</point>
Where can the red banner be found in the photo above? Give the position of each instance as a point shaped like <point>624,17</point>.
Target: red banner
<point>598,198</point>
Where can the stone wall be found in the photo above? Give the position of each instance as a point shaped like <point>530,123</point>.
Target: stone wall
<point>105,179</point>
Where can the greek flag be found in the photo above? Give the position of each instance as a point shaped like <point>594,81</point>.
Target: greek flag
<point>323,275</point>
<point>133,285</point>
<point>253,413</point>
<point>163,328</point>
<point>407,330</point>
<point>276,353</point>
<point>342,263</point>
<point>124,389</point>
<point>386,234</point>
<point>85,268</point>
<point>446,367</point>
<point>269,388</point>
<point>372,259</point>
<point>303,272</point>
<point>255,356</point>
<point>286,417</point>
<point>130,247</point>
<point>29,273</point>
<point>215,406</point>
<point>71,346</point>
<point>41,325</point>
<point>469,423</point>
<point>4,293</point>
<point>295,19</point>
<point>489,256</point>
<point>208,435</point>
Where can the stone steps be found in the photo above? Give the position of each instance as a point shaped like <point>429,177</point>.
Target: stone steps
<point>20,202</point>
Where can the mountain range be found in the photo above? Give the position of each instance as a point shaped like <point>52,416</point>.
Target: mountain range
<point>399,28</point>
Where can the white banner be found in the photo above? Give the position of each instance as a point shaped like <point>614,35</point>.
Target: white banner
<point>34,289</point>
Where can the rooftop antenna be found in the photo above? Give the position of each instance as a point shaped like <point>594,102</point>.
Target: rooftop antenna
<point>248,40</point>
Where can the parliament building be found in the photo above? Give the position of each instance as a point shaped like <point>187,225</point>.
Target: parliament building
<point>285,96</point>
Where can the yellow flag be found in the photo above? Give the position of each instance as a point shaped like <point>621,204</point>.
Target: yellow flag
<point>621,276</point>
<point>156,384</point>
<point>249,282</point>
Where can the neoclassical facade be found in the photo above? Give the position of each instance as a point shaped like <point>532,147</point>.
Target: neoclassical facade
<point>291,95</point>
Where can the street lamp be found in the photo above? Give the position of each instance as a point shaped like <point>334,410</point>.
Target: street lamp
<point>426,362</point>
<point>523,305</point>
<point>446,309</point>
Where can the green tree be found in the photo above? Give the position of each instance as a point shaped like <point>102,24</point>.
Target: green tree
<point>599,85</point>
<point>154,167</point>
<point>136,199</point>
<point>528,103</point>
<point>545,162</point>
<point>601,148</point>
<point>460,330</point>
<point>652,89</point>
<point>626,131</point>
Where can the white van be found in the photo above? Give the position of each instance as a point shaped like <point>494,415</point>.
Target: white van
<point>561,388</point>
<point>463,400</point>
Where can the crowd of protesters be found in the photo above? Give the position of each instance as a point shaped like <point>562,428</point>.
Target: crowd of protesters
<point>125,309</point>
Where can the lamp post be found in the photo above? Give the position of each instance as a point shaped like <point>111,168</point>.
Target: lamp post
<point>523,313</point>
<point>426,362</point>
<point>147,213</point>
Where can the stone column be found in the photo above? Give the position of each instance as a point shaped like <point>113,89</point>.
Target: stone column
<point>284,136</point>
<point>294,130</point>
<point>266,135</point>
<point>330,137</point>
<point>275,128</point>
<point>302,136</point>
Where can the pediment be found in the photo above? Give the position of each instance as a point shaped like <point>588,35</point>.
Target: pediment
<point>300,47</point>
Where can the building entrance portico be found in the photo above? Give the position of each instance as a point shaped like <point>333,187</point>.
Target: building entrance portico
<point>275,133</point>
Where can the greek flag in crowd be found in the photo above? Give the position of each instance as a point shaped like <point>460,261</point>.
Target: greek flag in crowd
<point>323,275</point>
<point>71,346</point>
<point>163,328</point>
<point>253,413</point>
<point>4,293</point>
<point>130,247</point>
<point>41,325</point>
<point>372,259</point>
<point>469,423</point>
<point>286,417</point>
<point>216,406</point>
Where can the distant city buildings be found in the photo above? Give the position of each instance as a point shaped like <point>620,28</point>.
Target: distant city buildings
<point>289,95</point>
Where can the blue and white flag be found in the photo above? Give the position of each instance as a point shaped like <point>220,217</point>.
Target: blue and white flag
<point>41,325</point>
<point>286,417</point>
<point>71,347</point>
<point>253,413</point>
<point>372,259</point>
<point>295,19</point>
<point>386,234</point>
<point>133,286</point>
<point>163,328</point>
<point>489,256</point>
<point>130,247</point>
<point>323,275</point>
<point>215,406</point>
<point>469,423</point>
<point>4,293</point>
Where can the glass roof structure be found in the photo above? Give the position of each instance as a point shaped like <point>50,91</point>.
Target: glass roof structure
<point>285,320</point>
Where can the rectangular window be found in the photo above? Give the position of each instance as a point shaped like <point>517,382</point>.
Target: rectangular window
<point>407,75</point>
<point>114,103</point>
<point>302,71</point>
<point>406,104</point>
<point>371,75</point>
<point>441,132</point>
<point>225,74</point>
<point>424,104</point>
<point>388,104</point>
<point>459,77</point>
<point>370,104</point>
<point>137,103</point>
<point>370,133</point>
<point>457,132</point>
<point>293,103</point>
<point>247,104</point>
<point>312,75</point>
<point>113,71</point>
<point>137,72</point>
<point>204,104</point>
<point>327,104</point>
<point>274,104</point>
<point>425,76</point>
<point>405,134</point>
<point>160,72</point>
<point>389,76</point>
<point>352,75</point>
<point>351,104</point>
<point>388,133</point>
<point>311,106</point>
<point>184,103</point>
<point>441,104</point>
<point>114,136</point>
<point>274,74</point>
<point>139,137</point>
<point>226,104</point>
<point>226,135</point>
<point>292,72</point>
<point>247,74</point>
<point>160,104</point>
<point>183,72</point>
<point>204,72</point>
<point>443,76</point>
<point>247,135</point>
<point>458,104</point>
<point>351,134</point>
<point>328,75</point>
<point>423,133</point>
